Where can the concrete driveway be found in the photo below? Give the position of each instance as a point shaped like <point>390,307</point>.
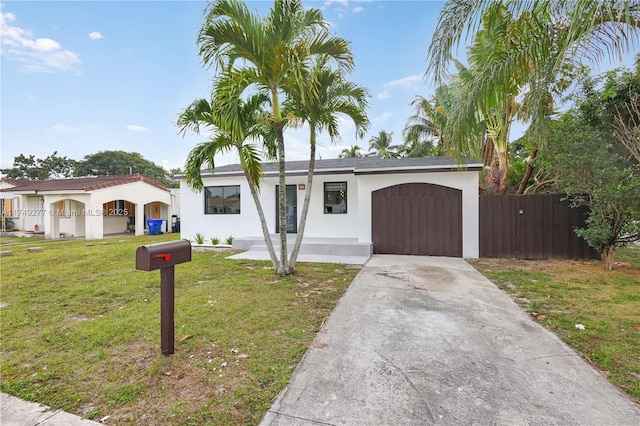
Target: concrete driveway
<point>428,340</point>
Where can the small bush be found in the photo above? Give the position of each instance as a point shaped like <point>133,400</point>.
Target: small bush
<point>229,240</point>
<point>215,241</point>
<point>199,238</point>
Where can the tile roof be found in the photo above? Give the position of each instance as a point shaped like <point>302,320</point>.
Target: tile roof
<point>81,184</point>
<point>360,165</point>
<point>14,182</point>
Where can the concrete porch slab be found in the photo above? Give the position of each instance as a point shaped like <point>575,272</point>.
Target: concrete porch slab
<point>313,258</point>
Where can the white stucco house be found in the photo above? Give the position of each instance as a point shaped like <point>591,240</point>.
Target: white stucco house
<point>425,206</point>
<point>87,207</point>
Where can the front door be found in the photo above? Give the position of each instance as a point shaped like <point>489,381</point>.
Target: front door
<point>292,210</point>
<point>155,210</point>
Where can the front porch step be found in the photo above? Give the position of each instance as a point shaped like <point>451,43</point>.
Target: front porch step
<point>310,246</point>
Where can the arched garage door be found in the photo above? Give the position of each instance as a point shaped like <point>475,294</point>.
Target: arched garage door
<point>417,218</point>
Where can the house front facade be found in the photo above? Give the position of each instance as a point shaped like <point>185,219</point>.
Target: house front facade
<point>89,207</point>
<point>424,206</point>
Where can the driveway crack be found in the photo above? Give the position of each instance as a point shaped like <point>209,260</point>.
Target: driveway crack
<point>413,386</point>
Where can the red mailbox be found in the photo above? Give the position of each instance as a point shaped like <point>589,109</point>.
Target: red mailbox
<point>165,256</point>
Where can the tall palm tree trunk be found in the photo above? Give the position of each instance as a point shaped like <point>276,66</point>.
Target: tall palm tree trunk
<point>307,198</point>
<point>283,268</point>
<point>263,221</point>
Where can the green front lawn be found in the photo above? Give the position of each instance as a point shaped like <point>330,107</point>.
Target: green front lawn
<point>563,293</point>
<point>81,331</point>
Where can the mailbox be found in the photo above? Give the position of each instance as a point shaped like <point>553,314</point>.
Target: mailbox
<point>162,255</point>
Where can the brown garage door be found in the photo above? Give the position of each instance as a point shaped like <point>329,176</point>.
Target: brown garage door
<point>417,218</point>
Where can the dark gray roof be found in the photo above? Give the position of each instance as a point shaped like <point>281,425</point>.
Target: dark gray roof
<point>360,165</point>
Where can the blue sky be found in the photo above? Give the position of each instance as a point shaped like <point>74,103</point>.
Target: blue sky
<point>82,77</point>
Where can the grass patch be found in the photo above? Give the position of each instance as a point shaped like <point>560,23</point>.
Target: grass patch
<point>81,331</point>
<point>563,293</point>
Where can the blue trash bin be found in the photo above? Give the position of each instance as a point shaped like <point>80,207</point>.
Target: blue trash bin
<point>155,226</point>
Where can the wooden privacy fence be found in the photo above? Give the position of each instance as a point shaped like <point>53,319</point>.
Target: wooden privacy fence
<point>532,227</point>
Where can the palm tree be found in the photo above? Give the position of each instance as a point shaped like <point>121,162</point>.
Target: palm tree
<point>421,125</point>
<point>430,119</point>
<point>480,120</point>
<point>496,106</point>
<point>413,148</point>
<point>271,55</point>
<point>380,145</point>
<point>579,28</point>
<point>331,96</point>
<point>352,152</point>
<point>542,43</point>
<point>251,126</point>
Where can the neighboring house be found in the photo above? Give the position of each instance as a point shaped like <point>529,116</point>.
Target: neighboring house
<point>426,206</point>
<point>9,204</point>
<point>87,207</point>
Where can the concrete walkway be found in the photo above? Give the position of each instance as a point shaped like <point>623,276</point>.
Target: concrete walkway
<point>16,412</point>
<point>426,340</point>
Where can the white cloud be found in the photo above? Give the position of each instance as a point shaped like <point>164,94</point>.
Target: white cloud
<point>95,35</point>
<point>329,3</point>
<point>63,128</point>
<point>35,55</point>
<point>135,128</point>
<point>168,165</point>
<point>382,118</point>
<point>343,7</point>
<point>411,82</point>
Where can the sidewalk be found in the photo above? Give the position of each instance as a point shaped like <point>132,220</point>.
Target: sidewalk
<point>16,412</point>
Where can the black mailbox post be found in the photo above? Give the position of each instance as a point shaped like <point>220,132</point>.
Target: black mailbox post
<point>164,256</point>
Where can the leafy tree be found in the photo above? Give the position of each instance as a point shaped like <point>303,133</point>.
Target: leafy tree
<point>628,130</point>
<point>122,163</point>
<point>34,168</point>
<point>592,172</point>
<point>610,103</point>
<point>272,55</point>
<point>352,152</point>
<point>331,97</point>
<point>604,97</point>
<point>380,145</point>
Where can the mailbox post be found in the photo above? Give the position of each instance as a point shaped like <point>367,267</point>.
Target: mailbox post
<point>164,256</point>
